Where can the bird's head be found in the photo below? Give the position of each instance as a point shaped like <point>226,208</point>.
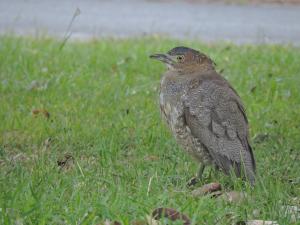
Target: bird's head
<point>185,59</point>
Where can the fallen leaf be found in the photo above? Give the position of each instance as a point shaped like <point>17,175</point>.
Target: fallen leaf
<point>207,189</point>
<point>171,214</point>
<point>36,112</point>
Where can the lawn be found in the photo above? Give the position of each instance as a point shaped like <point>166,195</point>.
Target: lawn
<point>82,139</point>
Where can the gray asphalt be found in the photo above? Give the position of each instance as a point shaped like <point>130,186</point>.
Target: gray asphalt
<point>179,19</point>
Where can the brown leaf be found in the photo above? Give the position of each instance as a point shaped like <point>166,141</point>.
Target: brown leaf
<point>44,112</point>
<point>207,189</point>
<point>35,111</point>
<point>171,214</point>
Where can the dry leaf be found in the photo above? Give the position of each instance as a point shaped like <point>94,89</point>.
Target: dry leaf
<point>36,112</point>
<point>170,214</point>
<point>207,189</point>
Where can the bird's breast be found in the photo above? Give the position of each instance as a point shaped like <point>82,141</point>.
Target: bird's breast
<point>165,107</point>
<point>170,96</point>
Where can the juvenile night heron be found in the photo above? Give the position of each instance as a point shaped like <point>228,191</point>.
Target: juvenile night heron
<point>204,113</point>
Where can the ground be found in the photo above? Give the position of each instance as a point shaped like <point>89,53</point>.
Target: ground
<point>82,139</point>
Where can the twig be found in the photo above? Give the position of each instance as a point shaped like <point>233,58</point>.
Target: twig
<point>68,33</point>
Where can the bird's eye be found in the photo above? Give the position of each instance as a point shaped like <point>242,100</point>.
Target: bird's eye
<point>180,58</point>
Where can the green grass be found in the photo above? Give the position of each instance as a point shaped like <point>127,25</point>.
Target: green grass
<point>102,97</point>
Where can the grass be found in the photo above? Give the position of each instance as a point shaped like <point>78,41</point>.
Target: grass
<point>102,97</point>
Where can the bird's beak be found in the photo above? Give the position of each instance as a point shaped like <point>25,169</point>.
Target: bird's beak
<point>165,58</point>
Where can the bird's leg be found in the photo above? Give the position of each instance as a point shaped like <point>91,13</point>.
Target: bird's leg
<point>194,180</point>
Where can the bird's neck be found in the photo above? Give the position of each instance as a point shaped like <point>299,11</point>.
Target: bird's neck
<point>185,76</point>
<point>202,68</point>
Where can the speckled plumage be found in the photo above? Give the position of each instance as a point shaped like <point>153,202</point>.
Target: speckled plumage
<point>204,113</point>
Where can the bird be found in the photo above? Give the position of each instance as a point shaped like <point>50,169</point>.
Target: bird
<point>205,113</point>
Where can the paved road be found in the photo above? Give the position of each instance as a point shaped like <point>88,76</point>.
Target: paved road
<point>125,18</point>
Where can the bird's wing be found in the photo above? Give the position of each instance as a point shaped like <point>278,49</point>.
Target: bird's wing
<point>216,117</point>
